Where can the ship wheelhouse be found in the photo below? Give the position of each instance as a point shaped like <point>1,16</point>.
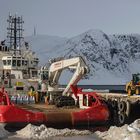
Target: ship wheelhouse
<point>20,66</point>
<point>15,65</point>
<point>14,62</point>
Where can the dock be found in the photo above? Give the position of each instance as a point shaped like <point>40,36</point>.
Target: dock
<point>123,108</point>
<point>120,97</point>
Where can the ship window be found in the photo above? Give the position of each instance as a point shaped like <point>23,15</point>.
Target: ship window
<point>5,48</point>
<point>9,62</point>
<point>14,63</point>
<point>18,63</point>
<point>25,63</point>
<point>44,75</point>
<point>34,73</point>
<point>35,63</point>
<point>22,62</point>
<point>4,62</point>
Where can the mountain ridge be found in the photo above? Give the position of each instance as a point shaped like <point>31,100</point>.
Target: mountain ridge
<point>111,58</point>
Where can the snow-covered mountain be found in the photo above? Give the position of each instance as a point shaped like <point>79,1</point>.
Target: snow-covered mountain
<point>45,46</point>
<point>111,58</point>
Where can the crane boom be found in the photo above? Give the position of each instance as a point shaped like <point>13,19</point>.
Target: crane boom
<point>78,64</point>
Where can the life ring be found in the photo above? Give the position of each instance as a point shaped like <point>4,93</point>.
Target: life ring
<point>121,106</point>
<point>121,118</point>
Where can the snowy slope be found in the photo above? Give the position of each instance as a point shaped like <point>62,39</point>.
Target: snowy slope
<point>44,46</point>
<point>111,58</point>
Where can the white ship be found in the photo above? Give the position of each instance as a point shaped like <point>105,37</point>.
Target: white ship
<point>18,63</point>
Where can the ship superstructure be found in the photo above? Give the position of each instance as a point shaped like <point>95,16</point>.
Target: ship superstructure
<point>17,60</point>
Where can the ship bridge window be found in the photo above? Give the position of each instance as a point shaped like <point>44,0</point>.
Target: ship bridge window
<point>14,63</point>
<point>44,75</point>
<point>35,63</point>
<point>25,63</point>
<point>6,48</point>
<point>22,62</point>
<point>18,63</point>
<point>34,73</point>
<point>0,48</point>
<point>4,62</point>
<point>9,62</point>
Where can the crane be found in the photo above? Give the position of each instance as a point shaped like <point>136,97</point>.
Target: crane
<point>56,68</point>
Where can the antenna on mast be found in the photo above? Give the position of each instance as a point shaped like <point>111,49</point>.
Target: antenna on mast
<point>15,32</point>
<point>34,31</point>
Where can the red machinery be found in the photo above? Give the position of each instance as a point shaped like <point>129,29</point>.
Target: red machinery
<point>95,112</point>
<point>11,114</point>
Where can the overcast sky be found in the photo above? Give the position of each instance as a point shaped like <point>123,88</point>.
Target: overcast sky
<point>68,18</point>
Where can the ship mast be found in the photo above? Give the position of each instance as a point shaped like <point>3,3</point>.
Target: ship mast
<point>15,33</point>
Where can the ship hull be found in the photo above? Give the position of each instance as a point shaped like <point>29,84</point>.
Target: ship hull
<point>19,116</point>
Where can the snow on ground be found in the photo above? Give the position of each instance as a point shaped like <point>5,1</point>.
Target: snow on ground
<point>42,132</point>
<point>3,133</point>
<point>126,132</point>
